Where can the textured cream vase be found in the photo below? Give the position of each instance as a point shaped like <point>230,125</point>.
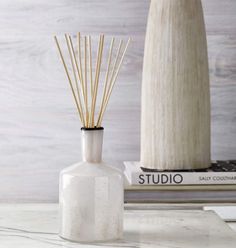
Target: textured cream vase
<point>175,126</point>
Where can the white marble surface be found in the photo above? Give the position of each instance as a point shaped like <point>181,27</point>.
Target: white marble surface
<point>36,226</point>
<point>227,213</point>
<point>232,225</point>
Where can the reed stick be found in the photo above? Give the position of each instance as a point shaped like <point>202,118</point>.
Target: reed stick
<point>113,83</point>
<point>90,65</point>
<point>107,75</point>
<point>80,65</point>
<point>115,66</point>
<point>75,59</point>
<point>96,81</point>
<point>72,59</point>
<point>69,79</point>
<point>85,80</point>
<point>111,79</point>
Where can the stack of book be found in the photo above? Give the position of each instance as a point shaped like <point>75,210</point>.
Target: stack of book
<point>214,185</point>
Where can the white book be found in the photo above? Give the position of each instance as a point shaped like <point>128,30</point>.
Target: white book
<point>224,175</point>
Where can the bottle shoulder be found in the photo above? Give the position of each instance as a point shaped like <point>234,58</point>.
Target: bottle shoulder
<point>91,169</point>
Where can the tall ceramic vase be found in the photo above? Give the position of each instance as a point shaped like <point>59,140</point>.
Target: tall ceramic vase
<point>91,195</point>
<point>175,132</point>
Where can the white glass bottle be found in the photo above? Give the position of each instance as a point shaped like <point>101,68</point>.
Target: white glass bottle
<point>91,195</point>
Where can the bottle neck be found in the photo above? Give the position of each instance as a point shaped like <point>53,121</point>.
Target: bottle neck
<point>91,142</point>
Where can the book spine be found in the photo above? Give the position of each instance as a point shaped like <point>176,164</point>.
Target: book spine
<point>185,178</point>
<point>196,196</point>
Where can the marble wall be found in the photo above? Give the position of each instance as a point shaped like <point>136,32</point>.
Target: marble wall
<point>39,127</point>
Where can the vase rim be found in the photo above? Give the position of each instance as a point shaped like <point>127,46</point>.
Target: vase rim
<point>91,129</point>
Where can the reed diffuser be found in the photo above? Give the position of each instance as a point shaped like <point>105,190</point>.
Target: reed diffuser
<point>91,192</point>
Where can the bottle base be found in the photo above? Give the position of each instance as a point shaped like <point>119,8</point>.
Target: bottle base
<point>90,241</point>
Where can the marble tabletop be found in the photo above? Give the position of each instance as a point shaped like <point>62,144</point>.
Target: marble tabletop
<point>36,226</point>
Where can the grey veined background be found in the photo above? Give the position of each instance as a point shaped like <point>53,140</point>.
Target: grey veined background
<point>39,126</point>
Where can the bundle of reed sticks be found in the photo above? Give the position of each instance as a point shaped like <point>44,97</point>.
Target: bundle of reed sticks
<point>85,81</point>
